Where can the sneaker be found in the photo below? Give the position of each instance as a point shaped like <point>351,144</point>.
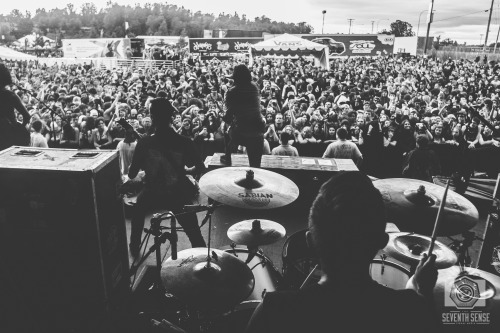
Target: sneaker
<point>224,159</point>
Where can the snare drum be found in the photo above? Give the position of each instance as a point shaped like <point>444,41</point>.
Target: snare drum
<point>267,278</point>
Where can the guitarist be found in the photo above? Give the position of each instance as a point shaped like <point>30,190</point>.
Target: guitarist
<point>11,132</point>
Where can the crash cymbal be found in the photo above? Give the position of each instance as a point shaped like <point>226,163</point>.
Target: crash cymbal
<point>410,248</point>
<point>256,232</point>
<point>249,188</point>
<point>473,293</point>
<point>413,205</point>
<point>220,286</point>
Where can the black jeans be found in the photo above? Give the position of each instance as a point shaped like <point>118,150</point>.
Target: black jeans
<point>253,144</point>
<point>147,200</point>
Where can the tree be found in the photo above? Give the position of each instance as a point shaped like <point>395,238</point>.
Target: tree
<point>400,29</point>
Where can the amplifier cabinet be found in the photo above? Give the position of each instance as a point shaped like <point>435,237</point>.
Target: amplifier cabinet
<point>63,238</point>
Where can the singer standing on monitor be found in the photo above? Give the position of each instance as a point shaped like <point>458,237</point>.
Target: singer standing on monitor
<point>11,132</point>
<point>247,126</point>
<point>165,157</point>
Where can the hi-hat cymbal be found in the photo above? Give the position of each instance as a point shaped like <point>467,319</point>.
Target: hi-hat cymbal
<point>413,205</point>
<point>410,248</point>
<point>249,188</point>
<point>220,286</point>
<point>256,232</point>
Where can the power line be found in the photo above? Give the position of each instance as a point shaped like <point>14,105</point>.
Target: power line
<point>450,18</point>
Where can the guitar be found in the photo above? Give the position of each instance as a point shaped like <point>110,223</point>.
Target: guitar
<point>123,122</point>
<point>14,134</point>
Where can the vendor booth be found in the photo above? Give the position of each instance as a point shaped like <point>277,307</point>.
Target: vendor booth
<point>291,46</point>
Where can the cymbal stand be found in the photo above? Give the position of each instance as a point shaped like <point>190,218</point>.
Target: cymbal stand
<point>461,247</point>
<point>159,238</point>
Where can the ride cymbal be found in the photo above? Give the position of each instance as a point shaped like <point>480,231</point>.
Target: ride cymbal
<point>249,188</point>
<point>413,205</point>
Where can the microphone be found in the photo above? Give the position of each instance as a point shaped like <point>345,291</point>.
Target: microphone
<point>173,239</point>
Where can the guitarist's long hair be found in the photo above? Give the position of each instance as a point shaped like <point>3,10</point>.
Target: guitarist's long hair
<point>5,77</point>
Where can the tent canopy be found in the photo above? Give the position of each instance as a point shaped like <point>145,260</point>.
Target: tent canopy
<point>290,45</point>
<point>9,54</point>
<point>31,40</point>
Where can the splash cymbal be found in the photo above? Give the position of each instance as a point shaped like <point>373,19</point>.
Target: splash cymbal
<point>256,232</point>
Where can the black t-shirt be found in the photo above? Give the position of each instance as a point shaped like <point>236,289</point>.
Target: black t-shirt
<point>352,307</point>
<point>163,156</point>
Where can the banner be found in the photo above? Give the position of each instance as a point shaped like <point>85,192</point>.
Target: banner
<point>221,45</point>
<point>355,45</point>
<point>96,47</point>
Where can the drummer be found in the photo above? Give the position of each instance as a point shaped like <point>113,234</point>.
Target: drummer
<point>346,229</point>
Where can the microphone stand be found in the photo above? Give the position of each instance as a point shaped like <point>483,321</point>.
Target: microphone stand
<point>52,111</point>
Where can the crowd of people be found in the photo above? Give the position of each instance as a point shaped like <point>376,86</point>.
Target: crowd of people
<point>415,117</point>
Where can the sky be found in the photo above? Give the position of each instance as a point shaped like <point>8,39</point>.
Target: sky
<point>463,21</point>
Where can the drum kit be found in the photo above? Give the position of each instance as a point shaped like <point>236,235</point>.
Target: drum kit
<point>227,284</point>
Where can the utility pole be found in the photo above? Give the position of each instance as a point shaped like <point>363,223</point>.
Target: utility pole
<point>324,12</point>
<point>488,27</point>
<point>429,21</point>
<point>372,26</point>
<point>496,41</point>
<point>350,23</point>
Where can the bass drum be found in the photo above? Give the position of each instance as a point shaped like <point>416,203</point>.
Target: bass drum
<point>267,278</point>
<point>299,261</point>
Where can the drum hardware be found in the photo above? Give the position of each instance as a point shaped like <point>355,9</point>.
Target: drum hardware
<point>383,256</point>
<point>160,237</point>
<point>461,247</point>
